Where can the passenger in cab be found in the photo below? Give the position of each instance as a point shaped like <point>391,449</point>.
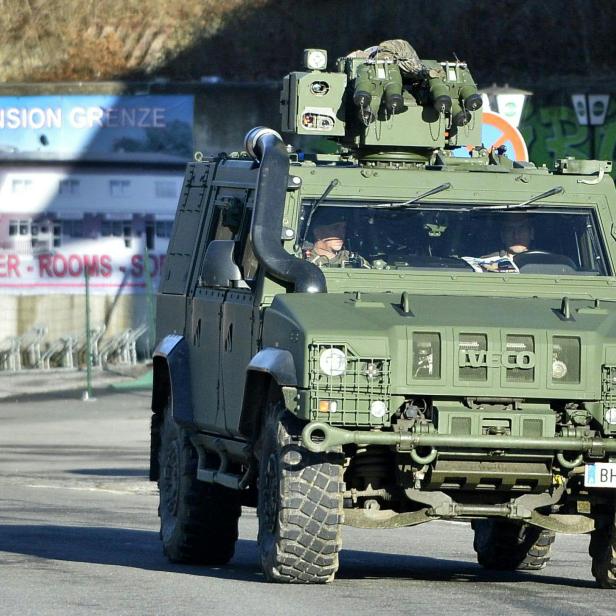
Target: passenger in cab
<point>517,234</point>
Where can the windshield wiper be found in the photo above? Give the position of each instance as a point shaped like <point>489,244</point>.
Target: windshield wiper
<point>313,209</point>
<point>525,204</point>
<point>594,240</point>
<point>415,201</point>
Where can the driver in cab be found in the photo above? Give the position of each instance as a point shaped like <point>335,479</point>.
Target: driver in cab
<point>328,248</point>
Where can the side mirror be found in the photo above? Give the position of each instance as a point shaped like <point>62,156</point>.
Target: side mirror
<point>219,269</point>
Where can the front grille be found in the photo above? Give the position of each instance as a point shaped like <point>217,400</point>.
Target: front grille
<point>366,380</point>
<point>566,351</point>
<point>426,355</point>
<point>519,349</point>
<point>608,394</point>
<point>472,354</point>
<point>608,385</point>
<point>496,359</point>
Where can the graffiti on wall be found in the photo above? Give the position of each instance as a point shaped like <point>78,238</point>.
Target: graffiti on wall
<point>551,131</point>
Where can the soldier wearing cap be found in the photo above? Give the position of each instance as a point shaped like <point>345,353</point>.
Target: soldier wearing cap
<point>328,248</point>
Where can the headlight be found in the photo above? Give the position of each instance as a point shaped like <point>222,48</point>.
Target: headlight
<point>426,355</point>
<point>566,359</point>
<point>559,369</point>
<point>378,409</point>
<point>610,416</point>
<point>333,362</point>
<point>315,59</point>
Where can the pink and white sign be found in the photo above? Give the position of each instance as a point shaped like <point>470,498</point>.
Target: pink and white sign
<point>64,272</point>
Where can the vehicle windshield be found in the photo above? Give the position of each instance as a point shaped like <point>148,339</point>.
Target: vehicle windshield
<point>440,236</point>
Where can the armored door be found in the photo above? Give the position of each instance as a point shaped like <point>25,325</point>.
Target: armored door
<point>236,339</point>
<point>239,330</point>
<point>204,345</point>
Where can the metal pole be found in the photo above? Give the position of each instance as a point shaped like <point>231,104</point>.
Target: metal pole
<point>319,436</point>
<point>87,394</point>
<point>149,298</point>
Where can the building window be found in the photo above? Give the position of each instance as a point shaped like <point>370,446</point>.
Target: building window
<point>165,189</point>
<point>21,186</point>
<point>127,229</point>
<point>118,228</point>
<point>41,239</point>
<point>163,228</point>
<point>68,187</point>
<point>57,234</point>
<point>119,188</point>
<point>72,228</point>
<point>22,227</point>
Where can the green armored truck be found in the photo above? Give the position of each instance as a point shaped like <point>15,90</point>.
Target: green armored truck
<point>407,329</point>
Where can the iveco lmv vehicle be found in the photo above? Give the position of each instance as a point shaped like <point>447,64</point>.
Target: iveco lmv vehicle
<point>407,329</point>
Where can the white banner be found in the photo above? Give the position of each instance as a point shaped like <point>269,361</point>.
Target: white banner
<point>64,272</point>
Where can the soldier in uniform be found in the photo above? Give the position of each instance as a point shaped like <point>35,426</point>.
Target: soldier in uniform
<point>328,248</point>
<point>517,234</point>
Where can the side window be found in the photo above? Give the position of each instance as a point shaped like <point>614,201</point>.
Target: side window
<point>246,258</point>
<point>228,216</point>
<point>222,231</point>
<point>249,264</point>
<point>231,221</point>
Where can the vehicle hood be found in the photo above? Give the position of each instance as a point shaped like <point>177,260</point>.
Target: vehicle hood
<point>378,325</point>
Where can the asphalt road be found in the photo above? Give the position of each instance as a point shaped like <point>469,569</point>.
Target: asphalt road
<point>79,535</point>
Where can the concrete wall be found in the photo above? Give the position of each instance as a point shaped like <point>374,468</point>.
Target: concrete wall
<point>64,315</point>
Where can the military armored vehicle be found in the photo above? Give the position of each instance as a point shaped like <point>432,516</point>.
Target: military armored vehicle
<point>387,334</point>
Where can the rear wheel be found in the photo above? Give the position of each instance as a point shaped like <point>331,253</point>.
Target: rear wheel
<point>506,546</point>
<point>603,553</point>
<point>198,521</point>
<point>299,503</point>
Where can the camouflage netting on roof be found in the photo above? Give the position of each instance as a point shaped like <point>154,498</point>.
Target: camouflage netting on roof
<point>403,52</point>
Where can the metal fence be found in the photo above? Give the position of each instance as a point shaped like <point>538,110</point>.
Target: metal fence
<point>77,331</point>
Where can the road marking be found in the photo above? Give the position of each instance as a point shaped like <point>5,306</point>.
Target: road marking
<point>136,490</point>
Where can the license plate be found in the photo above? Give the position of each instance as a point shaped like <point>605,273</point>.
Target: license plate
<point>600,475</point>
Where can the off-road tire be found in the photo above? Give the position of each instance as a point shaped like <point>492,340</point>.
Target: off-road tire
<point>198,521</point>
<point>299,502</point>
<point>602,550</point>
<point>506,546</point>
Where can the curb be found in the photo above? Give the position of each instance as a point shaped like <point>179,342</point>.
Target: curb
<point>71,383</point>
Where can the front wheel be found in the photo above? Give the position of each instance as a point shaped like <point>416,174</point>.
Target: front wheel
<point>198,521</point>
<point>507,546</point>
<point>299,503</point>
